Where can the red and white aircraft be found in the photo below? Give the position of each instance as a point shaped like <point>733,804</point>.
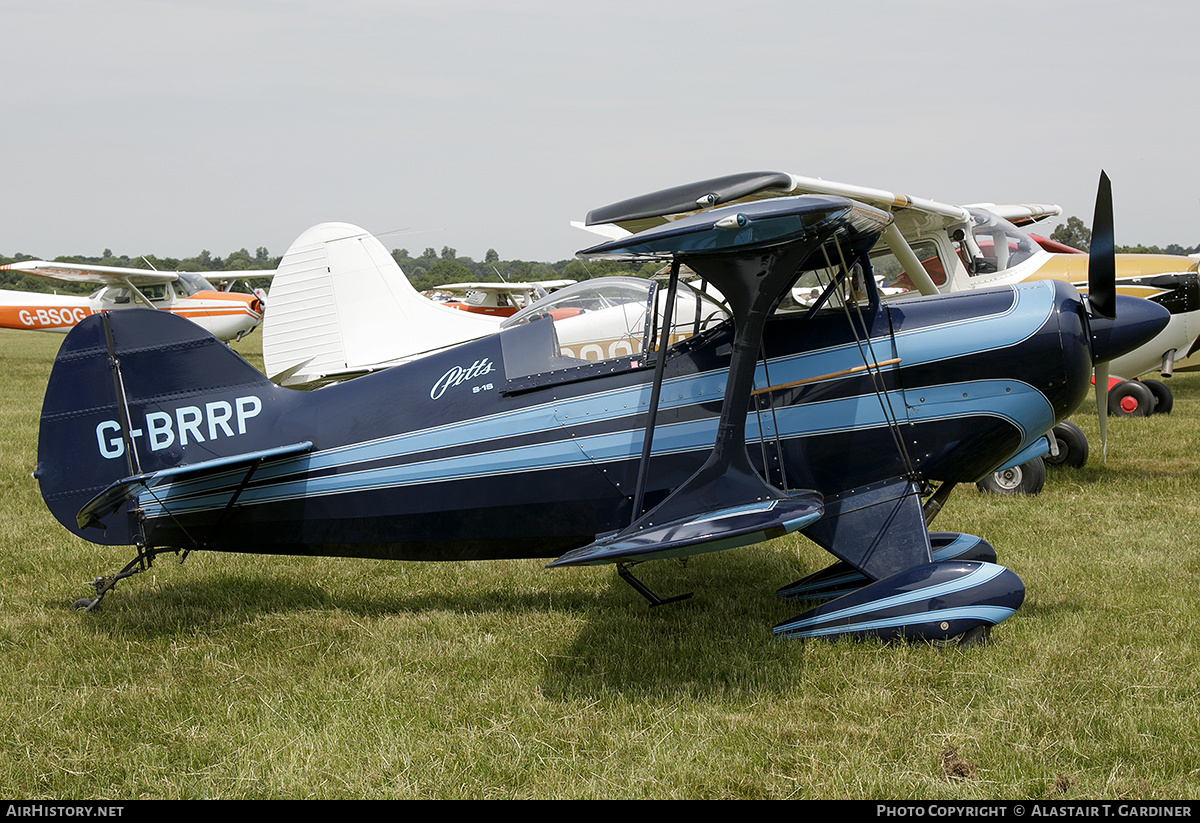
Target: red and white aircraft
<point>493,299</point>
<point>226,315</point>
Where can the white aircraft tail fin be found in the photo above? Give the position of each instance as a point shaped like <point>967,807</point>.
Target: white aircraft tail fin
<point>340,305</point>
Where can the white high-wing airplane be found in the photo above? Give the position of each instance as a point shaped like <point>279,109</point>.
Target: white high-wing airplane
<point>226,315</point>
<point>934,247</point>
<point>341,307</point>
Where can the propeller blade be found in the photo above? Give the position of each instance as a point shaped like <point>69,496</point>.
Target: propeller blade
<point>1102,290</point>
<point>1102,263</point>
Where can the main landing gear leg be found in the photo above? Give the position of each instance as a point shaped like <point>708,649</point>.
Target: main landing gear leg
<point>641,588</point>
<point>103,585</point>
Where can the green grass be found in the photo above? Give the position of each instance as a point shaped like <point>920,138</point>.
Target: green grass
<point>260,677</point>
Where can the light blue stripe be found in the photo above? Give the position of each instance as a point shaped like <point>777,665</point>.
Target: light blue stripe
<point>846,414</point>
<point>990,614</point>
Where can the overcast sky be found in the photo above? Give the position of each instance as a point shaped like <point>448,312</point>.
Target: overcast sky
<point>170,127</point>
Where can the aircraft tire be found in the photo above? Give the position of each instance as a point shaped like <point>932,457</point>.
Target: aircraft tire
<point>1164,400</point>
<point>1072,447</point>
<point>1027,478</point>
<point>1129,398</point>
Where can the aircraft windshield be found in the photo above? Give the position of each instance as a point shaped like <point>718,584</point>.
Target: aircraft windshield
<point>825,289</point>
<point>998,244</point>
<point>890,273</point>
<point>190,283</point>
<point>607,318</point>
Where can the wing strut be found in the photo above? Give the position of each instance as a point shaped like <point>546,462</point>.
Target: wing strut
<point>753,261</point>
<point>655,389</point>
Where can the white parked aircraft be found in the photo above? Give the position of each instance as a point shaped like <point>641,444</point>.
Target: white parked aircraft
<point>226,315</point>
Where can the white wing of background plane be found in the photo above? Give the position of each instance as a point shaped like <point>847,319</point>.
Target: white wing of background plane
<point>506,288</point>
<point>913,216</point>
<point>1023,214</point>
<point>84,273</point>
<point>341,306</point>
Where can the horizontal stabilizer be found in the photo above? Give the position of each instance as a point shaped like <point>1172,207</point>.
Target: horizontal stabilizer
<point>715,531</point>
<point>112,498</point>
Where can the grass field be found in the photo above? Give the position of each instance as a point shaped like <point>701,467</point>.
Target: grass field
<point>257,677</point>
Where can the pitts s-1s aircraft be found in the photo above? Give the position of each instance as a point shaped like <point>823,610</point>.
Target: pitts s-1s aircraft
<point>228,315</point>
<point>833,420</point>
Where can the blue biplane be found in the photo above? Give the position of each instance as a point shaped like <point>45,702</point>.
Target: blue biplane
<point>797,402</point>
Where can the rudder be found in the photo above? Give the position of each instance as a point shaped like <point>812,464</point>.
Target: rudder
<point>139,391</point>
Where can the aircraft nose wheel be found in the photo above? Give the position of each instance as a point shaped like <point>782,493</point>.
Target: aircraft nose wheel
<point>1027,478</point>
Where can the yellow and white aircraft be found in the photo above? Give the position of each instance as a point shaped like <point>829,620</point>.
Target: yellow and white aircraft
<point>226,315</point>
<point>937,247</point>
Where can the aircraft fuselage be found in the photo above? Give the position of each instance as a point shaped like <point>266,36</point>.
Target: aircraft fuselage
<point>500,448</point>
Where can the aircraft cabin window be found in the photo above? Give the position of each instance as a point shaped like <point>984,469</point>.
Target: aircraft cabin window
<point>156,293</point>
<point>890,273</point>
<point>996,244</point>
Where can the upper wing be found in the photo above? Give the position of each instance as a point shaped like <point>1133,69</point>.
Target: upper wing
<point>85,273</point>
<point>911,214</point>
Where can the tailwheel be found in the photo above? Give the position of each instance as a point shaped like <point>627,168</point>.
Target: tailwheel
<point>103,585</point>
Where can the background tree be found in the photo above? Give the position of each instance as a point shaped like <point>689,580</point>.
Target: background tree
<point>1075,234</point>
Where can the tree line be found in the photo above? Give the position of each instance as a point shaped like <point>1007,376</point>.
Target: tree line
<point>433,268</point>
<point>1076,234</point>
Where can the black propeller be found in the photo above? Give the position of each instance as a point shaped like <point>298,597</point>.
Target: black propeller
<point>1102,261</point>
<point>1140,319</point>
<point>1102,291</point>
